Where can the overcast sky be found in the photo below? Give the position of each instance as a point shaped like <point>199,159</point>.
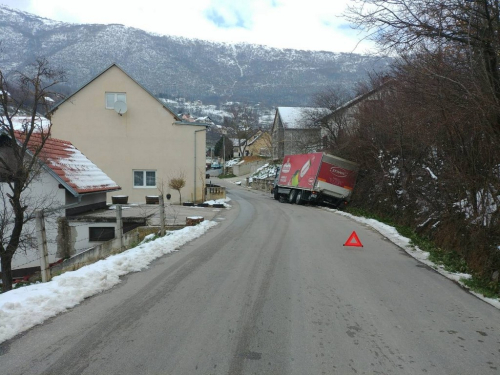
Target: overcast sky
<point>297,24</point>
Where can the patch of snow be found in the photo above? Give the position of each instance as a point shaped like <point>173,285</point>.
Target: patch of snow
<point>486,206</point>
<point>23,308</point>
<point>223,201</point>
<point>232,162</point>
<point>434,177</point>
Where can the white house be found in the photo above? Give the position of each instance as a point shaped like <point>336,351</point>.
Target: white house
<point>68,184</point>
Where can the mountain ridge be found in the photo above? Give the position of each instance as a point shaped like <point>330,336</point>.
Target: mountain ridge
<point>175,66</point>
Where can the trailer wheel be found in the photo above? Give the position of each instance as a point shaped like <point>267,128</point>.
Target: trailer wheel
<point>292,196</point>
<point>298,199</point>
<point>276,194</point>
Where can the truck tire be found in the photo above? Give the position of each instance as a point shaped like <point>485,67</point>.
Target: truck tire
<point>276,194</point>
<point>298,199</point>
<point>292,196</point>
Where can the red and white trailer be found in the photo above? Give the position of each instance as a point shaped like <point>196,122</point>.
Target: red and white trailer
<point>316,178</point>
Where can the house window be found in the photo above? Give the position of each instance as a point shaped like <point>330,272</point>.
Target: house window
<point>113,97</point>
<point>101,233</point>
<point>144,179</point>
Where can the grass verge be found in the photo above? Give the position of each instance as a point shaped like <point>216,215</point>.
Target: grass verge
<point>228,175</point>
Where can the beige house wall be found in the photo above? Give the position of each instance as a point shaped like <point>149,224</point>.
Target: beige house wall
<point>144,138</point>
<point>263,142</point>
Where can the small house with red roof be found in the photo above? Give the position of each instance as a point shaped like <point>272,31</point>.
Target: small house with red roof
<point>68,184</point>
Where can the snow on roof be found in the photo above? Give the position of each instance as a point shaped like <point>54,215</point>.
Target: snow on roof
<point>20,122</point>
<point>255,137</point>
<point>71,166</point>
<point>296,117</point>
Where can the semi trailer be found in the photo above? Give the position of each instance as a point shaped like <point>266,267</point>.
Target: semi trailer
<point>315,178</point>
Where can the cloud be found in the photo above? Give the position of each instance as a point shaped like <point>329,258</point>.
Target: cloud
<point>227,19</point>
<point>314,25</point>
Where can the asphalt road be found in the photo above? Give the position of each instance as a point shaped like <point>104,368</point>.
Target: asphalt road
<point>271,290</point>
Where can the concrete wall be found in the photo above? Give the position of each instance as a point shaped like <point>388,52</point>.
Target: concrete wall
<point>144,138</point>
<point>87,199</point>
<point>96,253</point>
<point>215,192</point>
<point>246,168</point>
<point>80,234</point>
<point>264,184</point>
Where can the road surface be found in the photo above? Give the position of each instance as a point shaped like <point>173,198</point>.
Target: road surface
<point>271,290</point>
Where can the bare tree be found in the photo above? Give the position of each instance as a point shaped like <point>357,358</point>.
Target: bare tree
<point>303,141</point>
<point>428,155</point>
<point>266,144</point>
<point>170,213</point>
<point>202,174</point>
<point>224,145</point>
<point>244,123</point>
<point>23,134</point>
<point>332,97</point>
<point>466,29</point>
<point>177,183</point>
<point>334,124</point>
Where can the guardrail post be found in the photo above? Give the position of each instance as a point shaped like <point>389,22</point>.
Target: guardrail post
<point>119,225</point>
<point>162,216</point>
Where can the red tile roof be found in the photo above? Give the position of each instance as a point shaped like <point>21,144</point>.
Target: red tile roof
<point>70,165</point>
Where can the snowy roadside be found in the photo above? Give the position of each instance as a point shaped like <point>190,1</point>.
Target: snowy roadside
<point>23,308</point>
<point>422,256</point>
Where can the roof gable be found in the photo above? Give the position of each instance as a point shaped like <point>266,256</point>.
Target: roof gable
<point>69,166</point>
<point>53,109</point>
<point>358,99</point>
<point>295,117</point>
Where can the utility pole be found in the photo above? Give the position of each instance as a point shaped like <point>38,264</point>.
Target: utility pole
<point>42,246</point>
<point>224,132</point>
<point>196,131</point>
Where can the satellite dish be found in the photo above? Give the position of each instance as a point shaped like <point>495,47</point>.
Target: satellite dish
<point>120,107</point>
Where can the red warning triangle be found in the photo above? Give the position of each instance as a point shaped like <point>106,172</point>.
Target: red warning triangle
<point>353,241</point>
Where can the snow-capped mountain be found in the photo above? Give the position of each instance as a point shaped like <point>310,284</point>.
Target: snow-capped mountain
<point>179,67</point>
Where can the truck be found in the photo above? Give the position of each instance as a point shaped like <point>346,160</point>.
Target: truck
<point>315,178</point>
